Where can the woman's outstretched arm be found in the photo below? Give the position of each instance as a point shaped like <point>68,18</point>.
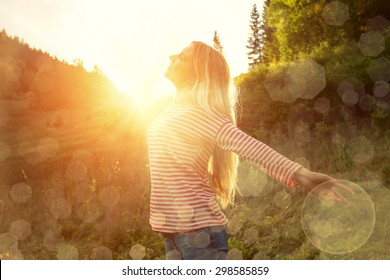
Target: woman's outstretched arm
<point>267,159</point>
<point>276,165</point>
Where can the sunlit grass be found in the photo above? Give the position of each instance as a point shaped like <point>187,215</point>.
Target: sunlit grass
<point>260,227</point>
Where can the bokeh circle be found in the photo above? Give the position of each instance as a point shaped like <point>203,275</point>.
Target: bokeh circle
<point>334,227</point>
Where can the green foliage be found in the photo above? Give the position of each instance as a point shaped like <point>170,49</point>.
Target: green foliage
<point>269,45</point>
<point>321,137</point>
<point>300,31</point>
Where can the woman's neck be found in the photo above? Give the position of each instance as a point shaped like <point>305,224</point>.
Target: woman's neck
<point>184,96</point>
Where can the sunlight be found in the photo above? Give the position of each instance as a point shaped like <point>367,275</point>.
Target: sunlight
<point>82,85</point>
<point>133,58</point>
<point>130,41</point>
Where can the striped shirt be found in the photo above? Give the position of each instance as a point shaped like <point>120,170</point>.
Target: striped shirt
<point>180,142</point>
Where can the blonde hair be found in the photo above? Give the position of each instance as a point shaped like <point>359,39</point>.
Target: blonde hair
<point>214,91</point>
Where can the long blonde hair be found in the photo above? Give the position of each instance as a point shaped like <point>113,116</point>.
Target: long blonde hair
<point>213,91</point>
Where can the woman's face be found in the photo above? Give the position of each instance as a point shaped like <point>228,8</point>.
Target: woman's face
<point>181,70</point>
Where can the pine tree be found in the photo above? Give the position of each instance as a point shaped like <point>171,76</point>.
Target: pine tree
<point>254,38</point>
<point>268,43</point>
<point>217,43</point>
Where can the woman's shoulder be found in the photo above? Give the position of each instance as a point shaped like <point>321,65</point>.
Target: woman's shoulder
<point>206,114</point>
<point>196,108</point>
<point>196,113</point>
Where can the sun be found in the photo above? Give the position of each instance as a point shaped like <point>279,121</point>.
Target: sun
<point>142,91</point>
<point>122,84</point>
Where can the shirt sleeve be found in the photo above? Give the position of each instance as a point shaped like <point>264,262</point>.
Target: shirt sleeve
<point>201,125</point>
<point>268,160</point>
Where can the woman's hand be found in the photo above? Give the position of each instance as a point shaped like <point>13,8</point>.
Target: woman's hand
<point>310,180</point>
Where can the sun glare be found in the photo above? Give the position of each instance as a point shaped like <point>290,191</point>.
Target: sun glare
<point>130,42</point>
<point>133,51</point>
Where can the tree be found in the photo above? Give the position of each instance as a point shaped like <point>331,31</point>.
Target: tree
<point>268,44</point>
<point>217,43</point>
<point>97,70</point>
<point>254,38</point>
<point>78,63</point>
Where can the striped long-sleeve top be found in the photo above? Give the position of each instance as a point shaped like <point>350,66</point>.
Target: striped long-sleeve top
<point>180,142</point>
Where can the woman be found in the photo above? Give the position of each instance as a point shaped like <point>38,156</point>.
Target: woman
<point>193,152</point>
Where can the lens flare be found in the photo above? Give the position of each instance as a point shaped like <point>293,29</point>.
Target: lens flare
<point>335,13</point>
<point>68,252</point>
<point>371,43</point>
<point>101,253</point>
<point>333,227</point>
<point>235,254</point>
<point>137,252</point>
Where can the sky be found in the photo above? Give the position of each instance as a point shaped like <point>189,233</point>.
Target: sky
<point>130,41</point>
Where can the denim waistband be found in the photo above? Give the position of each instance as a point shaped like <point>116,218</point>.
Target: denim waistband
<point>211,228</point>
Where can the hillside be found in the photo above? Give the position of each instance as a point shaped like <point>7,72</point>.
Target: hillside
<point>72,154</point>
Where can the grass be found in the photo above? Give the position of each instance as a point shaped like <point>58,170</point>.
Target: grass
<point>111,149</point>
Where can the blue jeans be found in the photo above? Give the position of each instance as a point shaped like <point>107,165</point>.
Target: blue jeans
<point>209,243</point>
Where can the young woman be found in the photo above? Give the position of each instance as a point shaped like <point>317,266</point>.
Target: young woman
<point>193,152</point>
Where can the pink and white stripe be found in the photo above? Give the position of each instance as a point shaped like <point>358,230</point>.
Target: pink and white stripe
<point>181,141</point>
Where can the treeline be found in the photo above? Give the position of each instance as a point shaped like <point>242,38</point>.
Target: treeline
<point>49,83</point>
<point>331,57</point>
<point>318,91</point>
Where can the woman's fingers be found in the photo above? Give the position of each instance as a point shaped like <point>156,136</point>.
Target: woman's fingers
<point>339,186</point>
<point>332,187</point>
<point>344,188</point>
<point>341,198</point>
<point>311,180</point>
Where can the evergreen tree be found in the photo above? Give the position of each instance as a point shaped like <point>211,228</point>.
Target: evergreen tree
<point>268,44</point>
<point>217,43</point>
<point>254,38</point>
